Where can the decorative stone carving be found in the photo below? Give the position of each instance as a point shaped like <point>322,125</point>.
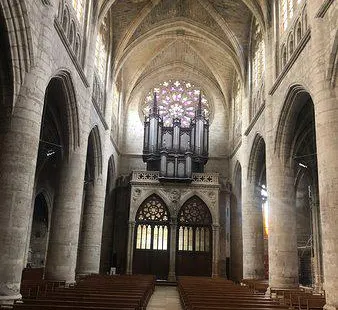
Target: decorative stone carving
<point>175,195</point>
<point>136,194</point>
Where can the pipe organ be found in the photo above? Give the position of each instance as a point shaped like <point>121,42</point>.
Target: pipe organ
<point>175,151</point>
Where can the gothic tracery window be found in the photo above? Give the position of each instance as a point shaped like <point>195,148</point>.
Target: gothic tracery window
<point>287,10</point>
<point>237,108</point>
<point>258,56</point>
<point>152,221</point>
<point>79,7</point>
<point>194,226</point>
<point>101,50</point>
<point>176,99</point>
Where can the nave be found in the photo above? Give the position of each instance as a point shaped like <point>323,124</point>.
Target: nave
<point>140,292</point>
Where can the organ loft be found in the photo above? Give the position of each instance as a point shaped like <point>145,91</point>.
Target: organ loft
<point>184,143</point>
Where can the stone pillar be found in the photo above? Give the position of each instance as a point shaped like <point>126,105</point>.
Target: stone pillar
<point>283,255</point>
<point>317,247</point>
<point>326,122</point>
<point>64,233</point>
<point>172,248</point>
<point>252,232</point>
<point>130,253</point>
<point>215,249</point>
<point>19,142</point>
<point>91,230</point>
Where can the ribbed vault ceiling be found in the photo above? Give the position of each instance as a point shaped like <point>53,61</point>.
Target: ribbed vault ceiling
<point>206,37</point>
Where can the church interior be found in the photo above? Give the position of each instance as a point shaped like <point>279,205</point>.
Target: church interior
<point>168,142</point>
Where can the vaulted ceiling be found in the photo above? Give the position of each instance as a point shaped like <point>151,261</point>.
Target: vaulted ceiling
<point>206,39</point>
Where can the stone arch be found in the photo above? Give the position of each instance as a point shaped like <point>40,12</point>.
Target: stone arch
<point>65,19</point>
<point>287,120</point>
<point>204,198</point>
<point>6,72</point>
<point>284,56</point>
<point>197,198</point>
<point>298,32</point>
<point>71,37</point>
<point>291,44</point>
<point>153,196</point>
<point>70,108</point>
<point>144,195</point>
<point>20,41</point>
<point>94,152</point>
<point>256,160</point>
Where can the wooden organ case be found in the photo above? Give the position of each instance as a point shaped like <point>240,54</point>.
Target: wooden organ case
<point>175,151</point>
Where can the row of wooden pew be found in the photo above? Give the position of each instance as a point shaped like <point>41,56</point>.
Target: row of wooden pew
<point>298,298</point>
<point>220,294</point>
<point>97,292</point>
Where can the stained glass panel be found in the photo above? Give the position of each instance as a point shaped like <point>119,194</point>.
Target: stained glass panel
<point>152,225</point>
<point>176,99</point>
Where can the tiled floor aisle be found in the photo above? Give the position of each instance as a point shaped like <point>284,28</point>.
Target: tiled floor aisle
<point>165,298</point>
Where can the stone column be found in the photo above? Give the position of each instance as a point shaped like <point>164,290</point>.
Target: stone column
<point>326,121</point>
<point>64,233</point>
<point>317,247</point>
<point>215,249</point>
<point>19,142</point>
<point>172,254</point>
<point>91,230</point>
<point>131,234</point>
<point>252,232</point>
<point>283,255</point>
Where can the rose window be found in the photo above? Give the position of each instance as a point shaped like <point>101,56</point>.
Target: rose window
<point>176,99</point>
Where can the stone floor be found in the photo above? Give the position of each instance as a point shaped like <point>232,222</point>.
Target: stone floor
<point>165,298</point>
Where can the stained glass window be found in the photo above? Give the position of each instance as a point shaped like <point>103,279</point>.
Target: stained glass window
<point>176,99</point>
<point>101,51</point>
<point>194,226</point>
<point>152,225</point>
<point>287,10</point>
<point>79,6</point>
<point>258,56</point>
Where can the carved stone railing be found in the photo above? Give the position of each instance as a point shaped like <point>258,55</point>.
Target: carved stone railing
<point>145,176</point>
<point>197,178</point>
<point>205,178</point>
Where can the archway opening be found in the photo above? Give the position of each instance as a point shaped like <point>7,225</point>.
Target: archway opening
<point>194,239</point>
<point>39,233</point>
<point>108,255</point>
<point>304,154</point>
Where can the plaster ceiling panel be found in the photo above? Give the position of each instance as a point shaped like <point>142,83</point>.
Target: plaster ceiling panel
<point>238,18</point>
<point>220,64</point>
<point>171,10</point>
<point>179,52</point>
<point>135,64</point>
<point>124,12</point>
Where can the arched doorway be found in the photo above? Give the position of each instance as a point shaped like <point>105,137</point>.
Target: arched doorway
<point>151,245</point>
<point>194,239</point>
<point>39,233</point>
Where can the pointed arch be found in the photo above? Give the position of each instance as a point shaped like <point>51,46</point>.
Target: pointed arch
<point>20,40</point>
<point>257,159</point>
<point>69,107</point>
<point>287,120</point>
<point>95,150</point>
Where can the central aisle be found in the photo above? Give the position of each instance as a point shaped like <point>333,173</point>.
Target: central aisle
<point>165,298</point>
